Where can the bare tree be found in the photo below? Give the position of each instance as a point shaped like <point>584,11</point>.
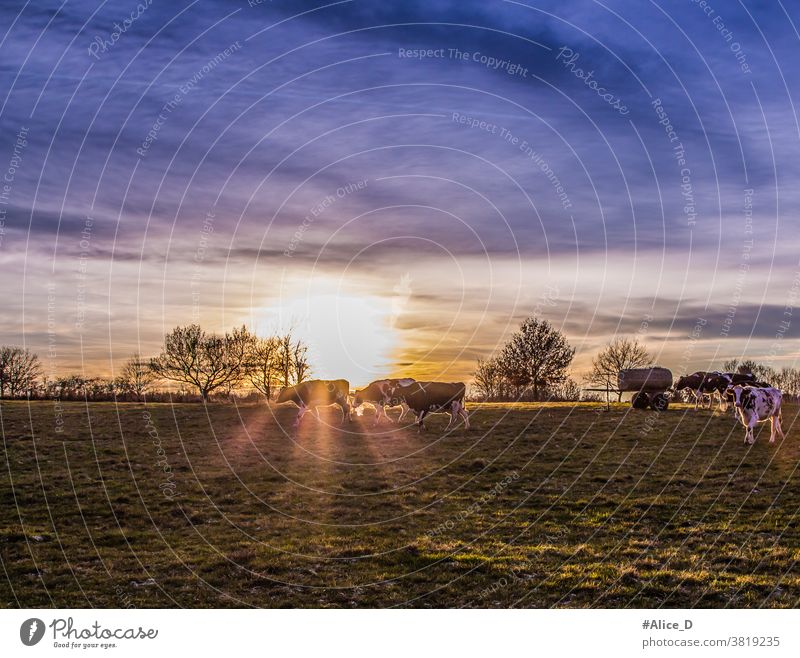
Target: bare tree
<point>283,359</point>
<point>537,355</point>
<point>731,365</point>
<point>291,359</point>
<point>262,370</point>
<point>488,379</point>
<point>19,369</point>
<point>300,363</point>
<point>205,361</point>
<point>136,377</point>
<point>619,354</point>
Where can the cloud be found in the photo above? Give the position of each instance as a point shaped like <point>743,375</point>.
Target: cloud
<point>311,101</point>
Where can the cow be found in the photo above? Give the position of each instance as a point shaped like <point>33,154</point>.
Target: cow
<point>317,393</point>
<point>705,383</point>
<point>380,394</point>
<point>756,405</point>
<point>743,379</point>
<point>434,397</point>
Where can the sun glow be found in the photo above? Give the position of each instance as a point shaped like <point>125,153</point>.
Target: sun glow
<point>349,336</point>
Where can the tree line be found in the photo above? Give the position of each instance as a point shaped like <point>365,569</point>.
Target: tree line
<point>534,365</point>
<point>198,363</point>
<point>786,379</point>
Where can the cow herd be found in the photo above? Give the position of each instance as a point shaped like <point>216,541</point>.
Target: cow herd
<point>422,398</point>
<point>753,401</point>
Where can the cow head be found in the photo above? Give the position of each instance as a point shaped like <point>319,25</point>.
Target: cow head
<point>398,392</point>
<point>735,393</point>
<point>357,399</point>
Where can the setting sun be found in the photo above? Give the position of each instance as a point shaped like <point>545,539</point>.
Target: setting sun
<point>349,336</point>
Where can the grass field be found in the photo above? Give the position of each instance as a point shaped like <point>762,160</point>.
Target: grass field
<point>536,505</point>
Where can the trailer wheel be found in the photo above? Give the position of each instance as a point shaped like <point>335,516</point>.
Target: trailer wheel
<point>660,402</point>
<point>640,401</point>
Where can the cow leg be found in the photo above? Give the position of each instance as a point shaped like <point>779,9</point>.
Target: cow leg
<point>456,412</point>
<point>404,409</point>
<point>300,414</point>
<point>696,399</point>
<point>421,420</point>
<point>345,411</point>
<point>380,413</point>
<point>778,427</point>
<point>742,418</point>
<point>772,429</point>
<point>751,439</point>
<point>453,415</point>
<point>464,415</point>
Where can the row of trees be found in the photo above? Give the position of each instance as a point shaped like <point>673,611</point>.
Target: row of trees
<point>786,379</point>
<point>533,365</point>
<point>197,361</point>
<point>210,362</point>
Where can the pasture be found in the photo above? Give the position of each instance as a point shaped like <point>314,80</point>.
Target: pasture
<point>536,505</point>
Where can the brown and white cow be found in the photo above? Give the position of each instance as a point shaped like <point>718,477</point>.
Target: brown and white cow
<point>435,397</point>
<point>703,383</point>
<point>757,405</point>
<point>317,393</point>
<point>380,394</point>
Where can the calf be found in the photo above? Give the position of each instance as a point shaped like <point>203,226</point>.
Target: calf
<point>380,394</point>
<point>756,405</point>
<point>317,393</point>
<point>434,397</point>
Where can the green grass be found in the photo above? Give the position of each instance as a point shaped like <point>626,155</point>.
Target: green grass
<point>536,505</point>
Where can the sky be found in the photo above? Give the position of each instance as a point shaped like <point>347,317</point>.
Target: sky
<point>401,183</point>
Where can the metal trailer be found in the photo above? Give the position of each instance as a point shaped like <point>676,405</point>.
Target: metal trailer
<point>649,386</point>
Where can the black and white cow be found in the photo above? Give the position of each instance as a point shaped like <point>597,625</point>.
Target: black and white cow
<point>317,393</point>
<point>756,405</point>
<point>380,394</point>
<point>743,379</point>
<point>435,397</point>
<point>705,383</point>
